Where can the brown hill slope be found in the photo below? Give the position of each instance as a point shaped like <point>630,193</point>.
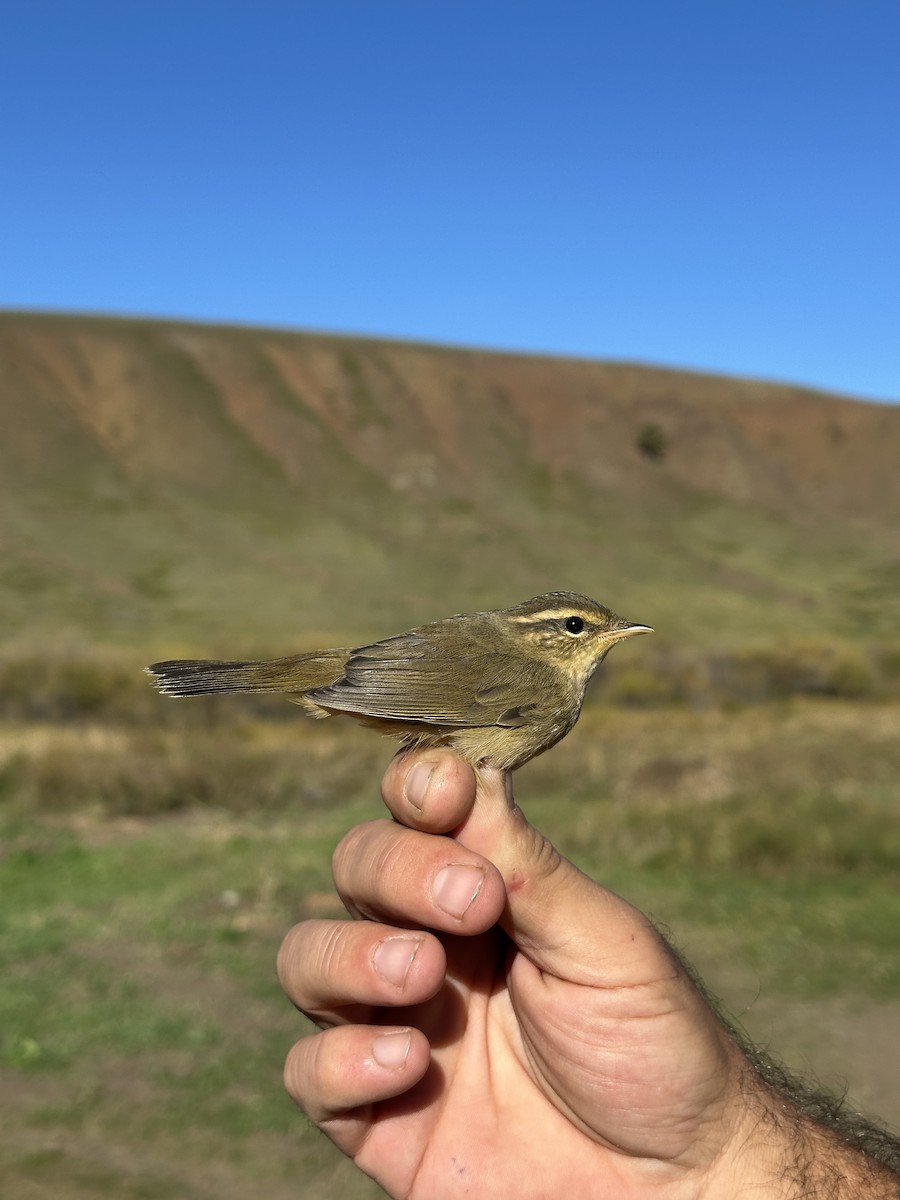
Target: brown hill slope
<point>175,484</point>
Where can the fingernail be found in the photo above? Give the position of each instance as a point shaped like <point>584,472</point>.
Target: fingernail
<point>417,783</point>
<point>393,957</point>
<point>391,1050</point>
<point>455,887</point>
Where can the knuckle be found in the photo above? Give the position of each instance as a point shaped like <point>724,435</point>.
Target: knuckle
<point>372,867</point>
<point>309,960</point>
<point>297,1069</point>
<point>329,951</point>
<point>355,849</point>
<point>390,858</point>
<point>312,1071</point>
<point>287,955</point>
<point>545,859</point>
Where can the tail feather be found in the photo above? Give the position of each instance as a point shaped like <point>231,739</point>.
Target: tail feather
<point>202,677</point>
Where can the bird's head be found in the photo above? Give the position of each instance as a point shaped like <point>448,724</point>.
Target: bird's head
<point>571,632</point>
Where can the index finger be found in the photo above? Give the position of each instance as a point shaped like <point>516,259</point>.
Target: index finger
<point>430,790</point>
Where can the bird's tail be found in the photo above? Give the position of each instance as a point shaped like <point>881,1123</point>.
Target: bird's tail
<point>202,677</point>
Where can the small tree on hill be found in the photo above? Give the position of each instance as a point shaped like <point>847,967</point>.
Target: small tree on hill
<point>652,441</point>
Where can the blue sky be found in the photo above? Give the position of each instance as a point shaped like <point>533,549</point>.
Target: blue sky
<point>708,184</point>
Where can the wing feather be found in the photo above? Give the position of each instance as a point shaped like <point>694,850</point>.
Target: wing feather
<point>411,678</point>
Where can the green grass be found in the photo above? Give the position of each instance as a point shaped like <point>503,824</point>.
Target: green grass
<point>142,1031</point>
<point>140,1004</point>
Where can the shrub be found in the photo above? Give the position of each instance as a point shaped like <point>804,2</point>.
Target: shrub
<point>652,441</point>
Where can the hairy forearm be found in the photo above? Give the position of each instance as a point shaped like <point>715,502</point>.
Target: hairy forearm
<point>821,1147</point>
<point>821,1163</point>
<point>792,1142</point>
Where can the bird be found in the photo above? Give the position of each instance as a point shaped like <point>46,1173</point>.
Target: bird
<point>498,687</point>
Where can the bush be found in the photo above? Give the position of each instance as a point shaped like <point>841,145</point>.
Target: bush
<point>802,668</point>
<point>652,441</point>
<point>641,686</point>
<point>67,687</point>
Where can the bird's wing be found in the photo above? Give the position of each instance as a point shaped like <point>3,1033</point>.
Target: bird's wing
<point>410,678</point>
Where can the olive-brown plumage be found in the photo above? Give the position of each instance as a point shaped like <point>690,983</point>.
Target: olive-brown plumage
<point>498,687</point>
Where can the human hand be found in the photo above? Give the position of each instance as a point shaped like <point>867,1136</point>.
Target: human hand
<point>494,1022</point>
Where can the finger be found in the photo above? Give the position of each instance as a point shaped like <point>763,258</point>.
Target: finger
<point>385,872</point>
<point>333,1076</point>
<point>329,968</point>
<point>565,923</point>
<point>432,790</point>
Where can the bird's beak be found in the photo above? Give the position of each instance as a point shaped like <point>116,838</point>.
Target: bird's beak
<point>616,635</point>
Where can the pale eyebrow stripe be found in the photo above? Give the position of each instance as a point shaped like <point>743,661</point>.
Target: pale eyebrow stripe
<point>547,617</point>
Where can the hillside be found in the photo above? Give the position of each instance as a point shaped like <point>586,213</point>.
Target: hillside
<point>172,486</point>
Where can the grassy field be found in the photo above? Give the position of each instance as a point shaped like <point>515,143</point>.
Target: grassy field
<point>149,872</point>
<point>182,490</point>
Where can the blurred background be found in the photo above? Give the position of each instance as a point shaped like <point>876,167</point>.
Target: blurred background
<point>319,322</point>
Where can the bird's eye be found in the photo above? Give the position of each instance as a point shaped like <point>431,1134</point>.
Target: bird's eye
<point>574,624</point>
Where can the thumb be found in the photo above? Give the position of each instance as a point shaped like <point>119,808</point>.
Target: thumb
<point>565,923</point>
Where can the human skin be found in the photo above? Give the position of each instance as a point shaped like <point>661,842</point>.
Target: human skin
<point>495,1023</point>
